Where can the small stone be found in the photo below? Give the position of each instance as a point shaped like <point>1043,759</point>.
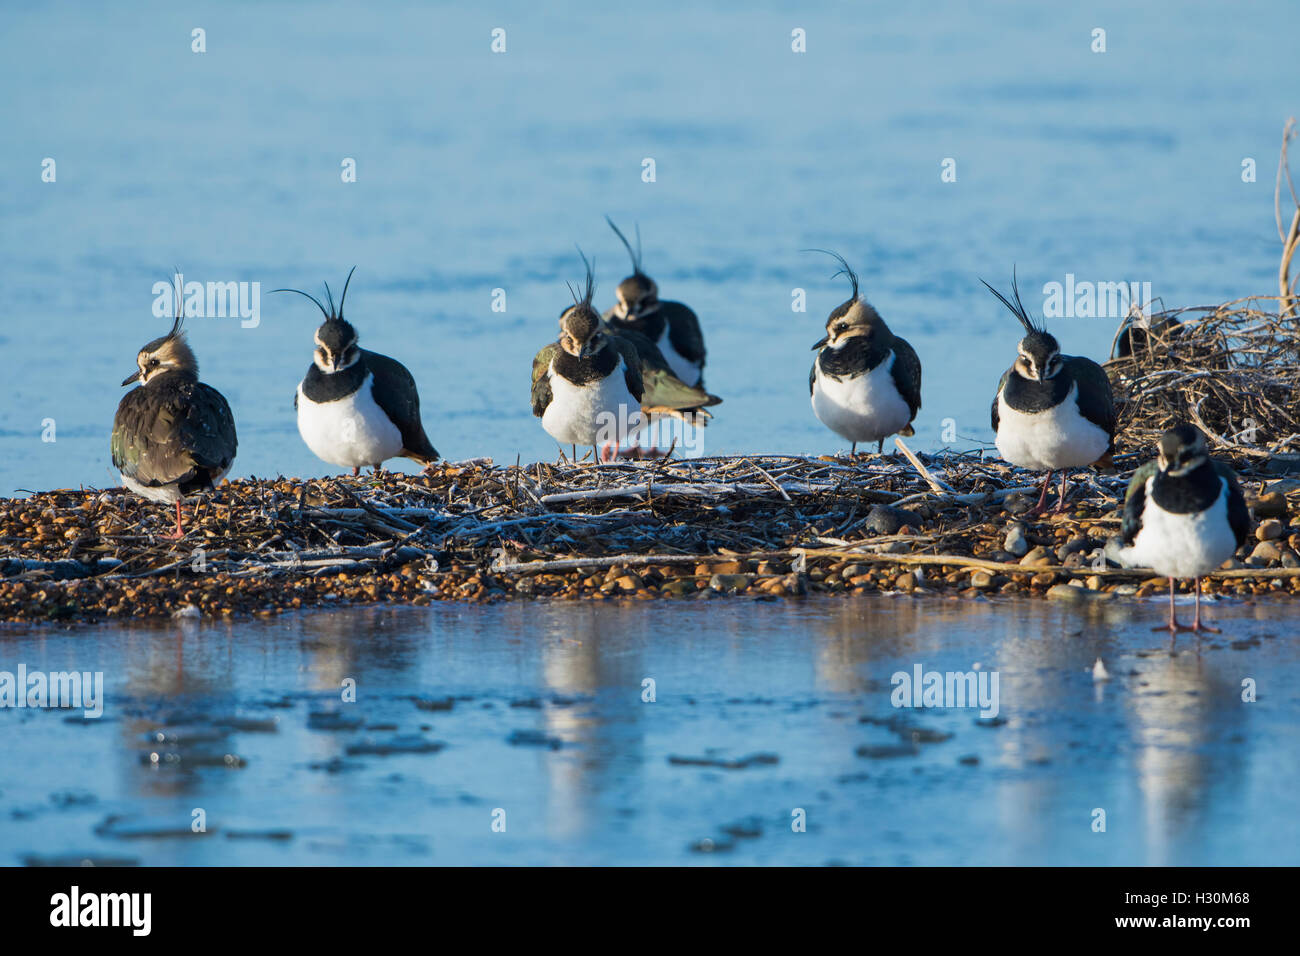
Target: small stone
<point>1066,592</point>
<point>1037,558</point>
<point>905,581</point>
<point>1265,552</point>
<point>1015,542</point>
<point>1271,505</point>
<point>1269,530</point>
<point>1289,559</point>
<point>883,519</point>
<point>731,583</point>
<point>981,579</point>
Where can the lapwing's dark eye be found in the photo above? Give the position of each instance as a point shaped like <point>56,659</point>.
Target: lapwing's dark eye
<point>153,363</point>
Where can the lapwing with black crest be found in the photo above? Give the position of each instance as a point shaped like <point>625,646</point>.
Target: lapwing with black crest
<point>1052,412</point>
<point>1184,516</point>
<point>865,382</point>
<point>356,407</point>
<point>587,386</point>
<point>173,436</point>
<point>672,326</point>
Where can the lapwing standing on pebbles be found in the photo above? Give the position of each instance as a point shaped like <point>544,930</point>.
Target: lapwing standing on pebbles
<point>671,326</point>
<point>1052,411</point>
<point>587,386</point>
<point>173,437</point>
<point>865,382</point>
<point>1184,515</point>
<point>357,407</point>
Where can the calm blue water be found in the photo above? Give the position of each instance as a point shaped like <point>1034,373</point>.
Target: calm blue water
<point>1186,772</point>
<point>478,171</point>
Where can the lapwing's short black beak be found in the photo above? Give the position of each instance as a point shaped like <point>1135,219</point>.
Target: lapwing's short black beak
<point>133,378</point>
<point>820,342</point>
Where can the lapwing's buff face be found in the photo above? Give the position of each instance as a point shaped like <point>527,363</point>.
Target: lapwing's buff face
<point>853,319</point>
<point>580,331</point>
<point>1182,449</point>
<point>1039,357</point>
<point>167,354</point>
<point>336,347</point>
<point>638,296</point>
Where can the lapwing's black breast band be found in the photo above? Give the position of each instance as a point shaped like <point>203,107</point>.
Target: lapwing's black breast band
<point>1187,494</point>
<point>1025,395</point>
<point>335,386</point>
<point>851,359</point>
<point>585,371</point>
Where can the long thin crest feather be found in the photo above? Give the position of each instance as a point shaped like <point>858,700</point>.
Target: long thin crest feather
<point>590,290</point>
<point>344,297</point>
<point>634,256</point>
<point>179,318</point>
<point>845,268</point>
<point>323,310</point>
<point>1018,308</point>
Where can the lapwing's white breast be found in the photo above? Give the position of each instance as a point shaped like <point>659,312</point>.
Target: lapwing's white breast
<point>352,431</point>
<point>1059,437</point>
<point>688,371</point>
<point>865,408</point>
<point>594,413</point>
<point>1183,545</point>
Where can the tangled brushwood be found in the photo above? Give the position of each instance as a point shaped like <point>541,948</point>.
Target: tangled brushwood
<point>764,527</point>
<point>1232,370</point>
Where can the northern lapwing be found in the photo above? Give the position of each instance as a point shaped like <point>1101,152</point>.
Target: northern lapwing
<point>173,436</point>
<point>1052,411</point>
<point>671,326</point>
<point>587,386</point>
<point>865,382</point>
<point>357,407</point>
<point>1184,515</point>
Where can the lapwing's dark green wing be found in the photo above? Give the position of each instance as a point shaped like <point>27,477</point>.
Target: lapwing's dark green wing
<point>1002,383</point>
<point>541,382</point>
<point>393,389</point>
<point>662,389</point>
<point>633,363</point>
<point>907,374</point>
<point>1238,513</point>
<point>1135,499</point>
<point>173,433</point>
<point>684,331</point>
<point>1096,400</point>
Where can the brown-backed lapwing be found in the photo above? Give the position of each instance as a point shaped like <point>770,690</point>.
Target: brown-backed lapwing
<point>173,436</point>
